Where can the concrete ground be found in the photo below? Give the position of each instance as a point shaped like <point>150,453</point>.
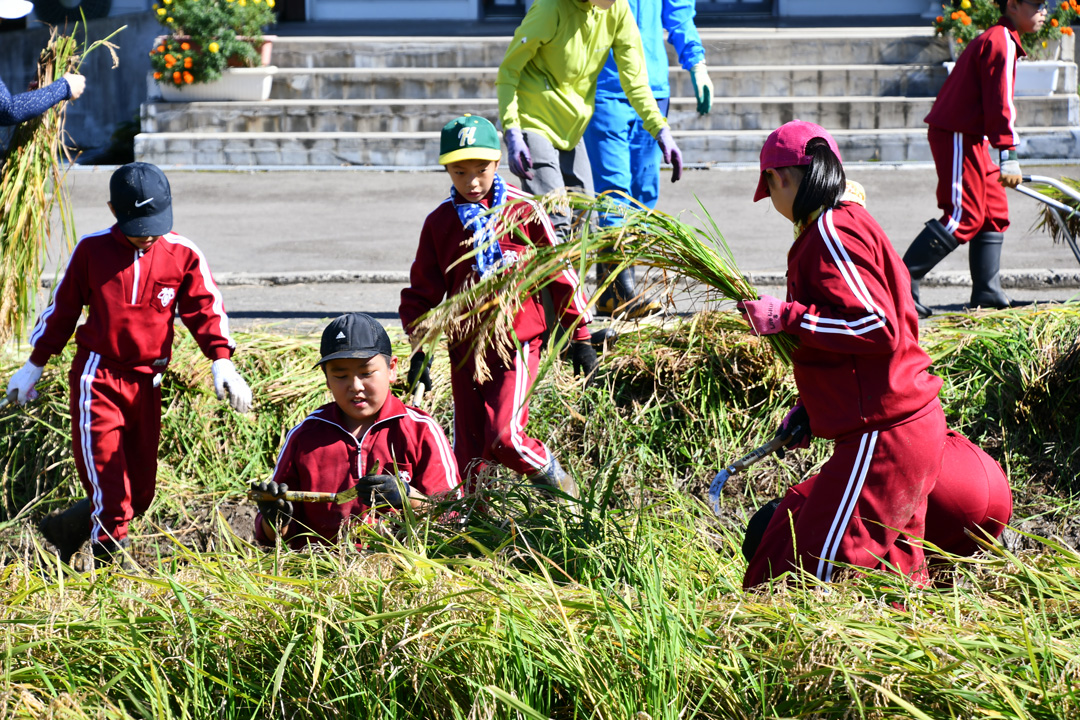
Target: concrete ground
<point>277,221</point>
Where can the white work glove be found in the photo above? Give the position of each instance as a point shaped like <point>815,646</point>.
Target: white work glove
<point>703,87</point>
<point>22,383</point>
<point>226,378</point>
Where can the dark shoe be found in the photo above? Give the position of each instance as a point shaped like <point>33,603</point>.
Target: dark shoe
<point>603,339</point>
<point>621,299</point>
<point>985,263</point>
<point>553,476</point>
<point>928,249</point>
<point>67,530</point>
<point>112,553</point>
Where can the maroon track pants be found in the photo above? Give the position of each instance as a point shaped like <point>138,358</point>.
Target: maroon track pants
<point>115,427</point>
<point>490,417</point>
<point>968,192</point>
<point>866,508</point>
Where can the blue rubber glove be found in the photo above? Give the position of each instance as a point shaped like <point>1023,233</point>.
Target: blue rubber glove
<point>671,151</point>
<point>703,87</point>
<point>520,159</point>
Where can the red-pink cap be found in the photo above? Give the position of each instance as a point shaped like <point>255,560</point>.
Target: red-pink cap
<point>786,146</point>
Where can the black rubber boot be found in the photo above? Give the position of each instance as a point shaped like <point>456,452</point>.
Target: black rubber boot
<point>603,339</point>
<point>928,249</point>
<point>112,553</point>
<point>621,299</point>
<point>985,263</point>
<point>67,530</point>
<point>553,476</point>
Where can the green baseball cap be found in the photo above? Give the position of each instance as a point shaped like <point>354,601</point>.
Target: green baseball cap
<point>469,138</point>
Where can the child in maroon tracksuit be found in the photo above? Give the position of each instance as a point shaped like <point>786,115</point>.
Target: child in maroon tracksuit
<point>862,377</point>
<point>133,278</point>
<point>975,110</point>
<point>457,249</point>
<point>366,438</point>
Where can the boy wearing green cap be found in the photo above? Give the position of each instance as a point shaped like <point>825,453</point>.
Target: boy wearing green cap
<point>490,416</point>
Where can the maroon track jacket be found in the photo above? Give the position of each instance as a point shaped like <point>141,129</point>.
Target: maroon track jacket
<point>858,365</point>
<point>443,242</point>
<point>320,455</point>
<point>977,97</point>
<point>132,297</point>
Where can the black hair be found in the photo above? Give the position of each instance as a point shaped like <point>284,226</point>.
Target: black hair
<point>823,184</point>
<point>1002,4</point>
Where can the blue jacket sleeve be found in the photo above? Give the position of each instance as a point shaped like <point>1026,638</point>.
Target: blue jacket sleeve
<point>677,17</point>
<point>20,108</point>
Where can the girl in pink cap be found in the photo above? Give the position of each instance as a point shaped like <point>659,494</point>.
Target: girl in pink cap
<point>863,380</point>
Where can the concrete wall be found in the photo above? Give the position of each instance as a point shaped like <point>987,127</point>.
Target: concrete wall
<point>112,96</point>
<point>856,8</point>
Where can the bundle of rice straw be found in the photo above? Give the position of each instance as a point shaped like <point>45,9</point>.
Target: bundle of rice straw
<point>1048,222</point>
<point>483,314</point>
<point>31,182</point>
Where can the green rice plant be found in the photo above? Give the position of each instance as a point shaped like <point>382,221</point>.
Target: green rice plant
<point>632,610</point>
<point>31,181</point>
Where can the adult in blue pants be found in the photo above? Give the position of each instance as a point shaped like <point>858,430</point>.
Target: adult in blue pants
<point>624,156</point>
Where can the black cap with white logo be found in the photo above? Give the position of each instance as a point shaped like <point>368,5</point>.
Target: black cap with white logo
<point>355,335</point>
<point>141,197</point>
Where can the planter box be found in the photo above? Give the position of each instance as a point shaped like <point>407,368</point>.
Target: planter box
<point>1034,78</point>
<point>250,84</point>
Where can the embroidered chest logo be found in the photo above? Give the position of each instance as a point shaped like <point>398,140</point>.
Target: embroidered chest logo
<point>166,296</point>
<point>467,136</point>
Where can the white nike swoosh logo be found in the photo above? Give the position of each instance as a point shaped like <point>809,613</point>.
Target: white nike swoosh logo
<point>140,204</point>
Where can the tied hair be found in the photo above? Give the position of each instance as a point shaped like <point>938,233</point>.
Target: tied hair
<point>823,183</point>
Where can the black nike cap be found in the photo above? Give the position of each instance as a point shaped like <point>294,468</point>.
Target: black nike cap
<point>141,197</point>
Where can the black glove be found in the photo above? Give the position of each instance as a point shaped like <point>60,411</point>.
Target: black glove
<point>797,424</point>
<point>278,512</point>
<point>418,371</point>
<point>583,356</point>
<point>382,491</point>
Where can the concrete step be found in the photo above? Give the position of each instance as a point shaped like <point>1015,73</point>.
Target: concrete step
<point>762,47</point>
<point>422,149</point>
<point>362,116</point>
<point>735,81</point>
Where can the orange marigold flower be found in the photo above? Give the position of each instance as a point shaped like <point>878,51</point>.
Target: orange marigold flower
<point>157,76</point>
<point>189,78</point>
<point>966,20</point>
<point>161,48</point>
<point>169,60</point>
<point>185,46</point>
<point>1053,22</point>
<point>955,16</point>
<point>1064,6</point>
<point>940,19</point>
<point>176,78</point>
<point>187,62</point>
<point>1067,31</point>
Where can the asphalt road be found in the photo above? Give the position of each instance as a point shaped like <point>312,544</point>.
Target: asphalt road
<point>369,220</point>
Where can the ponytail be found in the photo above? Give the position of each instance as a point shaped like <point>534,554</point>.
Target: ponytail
<point>823,184</point>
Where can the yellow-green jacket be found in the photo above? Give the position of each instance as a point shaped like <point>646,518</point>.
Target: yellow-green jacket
<point>547,81</point>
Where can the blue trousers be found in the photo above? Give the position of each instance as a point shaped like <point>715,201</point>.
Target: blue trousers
<point>623,155</point>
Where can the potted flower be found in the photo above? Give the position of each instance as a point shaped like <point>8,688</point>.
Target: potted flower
<point>962,21</point>
<point>215,50</point>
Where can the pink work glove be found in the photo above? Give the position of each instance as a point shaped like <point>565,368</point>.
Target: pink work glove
<point>671,151</point>
<point>763,314</point>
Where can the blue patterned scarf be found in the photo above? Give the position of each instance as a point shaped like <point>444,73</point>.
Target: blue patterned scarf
<point>489,255</point>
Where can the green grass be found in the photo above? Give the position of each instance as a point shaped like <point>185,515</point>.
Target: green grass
<point>632,611</point>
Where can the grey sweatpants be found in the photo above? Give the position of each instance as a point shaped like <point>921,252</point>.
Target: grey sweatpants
<point>554,169</point>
